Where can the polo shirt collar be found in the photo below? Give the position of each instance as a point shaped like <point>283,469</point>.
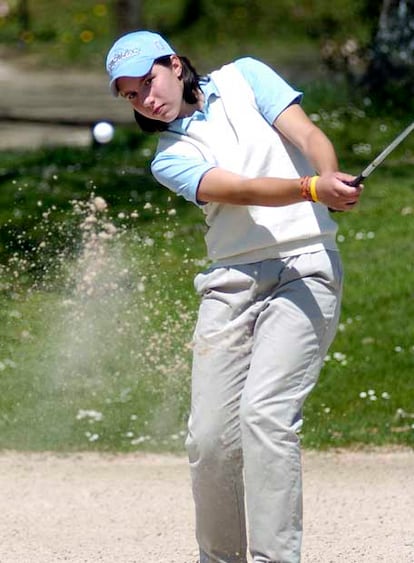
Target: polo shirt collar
<point>210,92</point>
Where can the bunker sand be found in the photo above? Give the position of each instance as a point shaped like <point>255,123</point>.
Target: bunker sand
<point>137,508</point>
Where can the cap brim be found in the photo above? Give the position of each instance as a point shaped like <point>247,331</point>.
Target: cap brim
<point>130,69</point>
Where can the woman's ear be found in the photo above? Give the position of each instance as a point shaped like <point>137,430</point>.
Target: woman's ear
<point>176,66</point>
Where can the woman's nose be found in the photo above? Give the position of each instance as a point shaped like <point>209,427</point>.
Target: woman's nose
<point>145,97</point>
<point>148,101</point>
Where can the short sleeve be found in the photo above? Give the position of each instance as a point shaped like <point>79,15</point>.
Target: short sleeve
<point>181,174</point>
<point>272,93</point>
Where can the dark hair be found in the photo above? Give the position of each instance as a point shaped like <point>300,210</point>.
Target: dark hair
<point>191,80</point>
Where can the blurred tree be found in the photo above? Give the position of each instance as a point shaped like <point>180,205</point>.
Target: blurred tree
<point>193,11</point>
<point>389,74</point>
<point>23,15</point>
<point>128,15</point>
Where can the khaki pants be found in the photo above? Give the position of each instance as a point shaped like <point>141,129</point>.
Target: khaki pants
<point>261,337</point>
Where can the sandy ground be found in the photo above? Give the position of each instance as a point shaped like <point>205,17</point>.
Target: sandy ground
<point>359,507</point>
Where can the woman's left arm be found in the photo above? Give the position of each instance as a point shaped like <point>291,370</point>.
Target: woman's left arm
<point>295,125</point>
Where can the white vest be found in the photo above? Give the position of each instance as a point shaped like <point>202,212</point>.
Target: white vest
<point>235,136</point>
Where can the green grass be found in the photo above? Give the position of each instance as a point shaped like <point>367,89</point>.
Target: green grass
<point>94,325</point>
<point>374,348</point>
<point>95,338</point>
<point>112,338</point>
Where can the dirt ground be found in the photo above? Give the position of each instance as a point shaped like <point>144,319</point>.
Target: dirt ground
<point>359,507</point>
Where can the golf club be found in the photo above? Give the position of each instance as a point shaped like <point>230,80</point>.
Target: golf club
<point>382,156</point>
<point>379,159</point>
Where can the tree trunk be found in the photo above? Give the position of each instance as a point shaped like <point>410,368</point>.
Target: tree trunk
<point>128,15</point>
<point>192,12</point>
<point>23,15</point>
<point>390,72</point>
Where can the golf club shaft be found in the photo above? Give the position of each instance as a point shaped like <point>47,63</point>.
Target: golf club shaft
<point>382,156</point>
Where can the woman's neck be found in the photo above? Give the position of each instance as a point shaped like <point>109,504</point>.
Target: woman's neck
<point>188,109</point>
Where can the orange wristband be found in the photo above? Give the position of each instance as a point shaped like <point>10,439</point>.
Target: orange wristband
<point>304,188</point>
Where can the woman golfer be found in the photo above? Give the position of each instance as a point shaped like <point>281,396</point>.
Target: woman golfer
<point>237,144</point>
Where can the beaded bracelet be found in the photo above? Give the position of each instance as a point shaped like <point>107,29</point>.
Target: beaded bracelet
<point>305,188</point>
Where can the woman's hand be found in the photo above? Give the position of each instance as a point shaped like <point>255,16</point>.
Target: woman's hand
<point>332,191</point>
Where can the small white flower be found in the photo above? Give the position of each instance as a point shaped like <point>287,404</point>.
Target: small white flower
<point>15,314</point>
<point>363,395</point>
<point>93,416</point>
<point>139,440</point>
<point>339,357</point>
<point>362,148</point>
<point>315,117</point>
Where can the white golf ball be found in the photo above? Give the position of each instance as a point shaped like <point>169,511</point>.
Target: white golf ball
<point>103,132</point>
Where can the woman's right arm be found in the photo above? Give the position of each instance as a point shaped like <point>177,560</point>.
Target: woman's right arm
<point>222,186</point>
<point>182,169</point>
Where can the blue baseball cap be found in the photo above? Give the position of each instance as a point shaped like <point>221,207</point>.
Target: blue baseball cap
<point>134,54</point>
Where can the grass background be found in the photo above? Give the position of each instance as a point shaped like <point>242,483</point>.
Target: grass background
<point>97,307</point>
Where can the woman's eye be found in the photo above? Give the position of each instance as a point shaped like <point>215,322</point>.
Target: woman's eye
<point>132,96</point>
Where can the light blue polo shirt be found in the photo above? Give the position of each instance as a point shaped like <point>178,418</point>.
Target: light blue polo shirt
<point>183,174</point>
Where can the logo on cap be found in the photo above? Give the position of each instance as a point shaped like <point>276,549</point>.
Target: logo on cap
<point>121,56</point>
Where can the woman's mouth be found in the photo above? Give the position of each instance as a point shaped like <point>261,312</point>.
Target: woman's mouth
<point>158,110</point>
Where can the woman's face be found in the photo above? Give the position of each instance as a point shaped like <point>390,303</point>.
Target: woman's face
<point>158,94</point>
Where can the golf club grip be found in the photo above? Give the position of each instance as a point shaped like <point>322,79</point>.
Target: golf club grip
<point>356,181</point>
<point>352,183</point>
